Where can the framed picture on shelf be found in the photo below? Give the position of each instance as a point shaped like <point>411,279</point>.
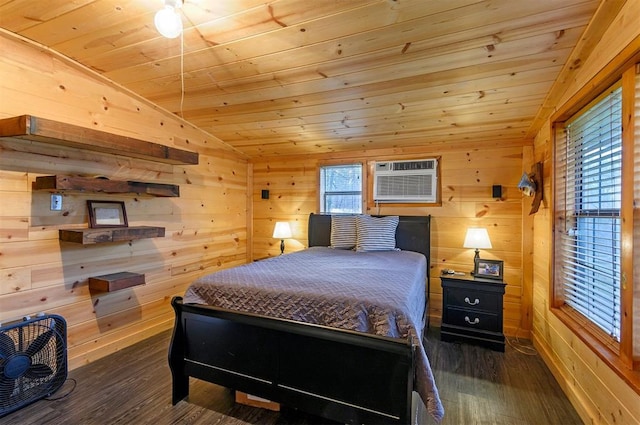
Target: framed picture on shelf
<point>107,214</point>
<point>489,269</point>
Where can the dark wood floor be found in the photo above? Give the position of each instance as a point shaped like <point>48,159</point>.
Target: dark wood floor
<point>133,386</point>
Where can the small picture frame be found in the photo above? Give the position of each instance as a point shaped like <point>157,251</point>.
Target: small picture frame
<point>107,214</point>
<point>489,269</point>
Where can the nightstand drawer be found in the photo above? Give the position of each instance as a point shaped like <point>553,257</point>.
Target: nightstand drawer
<point>473,319</point>
<point>478,300</point>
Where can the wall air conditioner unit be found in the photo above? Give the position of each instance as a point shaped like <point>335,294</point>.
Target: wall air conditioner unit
<point>405,181</point>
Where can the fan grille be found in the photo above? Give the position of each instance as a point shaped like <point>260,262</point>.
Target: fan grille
<point>33,361</point>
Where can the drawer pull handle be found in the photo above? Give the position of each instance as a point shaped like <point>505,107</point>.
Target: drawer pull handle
<point>475,321</point>
<point>476,301</point>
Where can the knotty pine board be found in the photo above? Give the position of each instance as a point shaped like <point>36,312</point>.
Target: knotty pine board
<point>599,394</point>
<point>417,91</point>
<point>254,20</point>
<point>599,391</point>
<point>430,22</point>
<point>454,46</point>
<point>14,279</point>
<point>13,181</point>
<point>14,228</point>
<point>200,232</point>
<point>466,177</point>
<point>28,128</point>
<point>297,32</point>
<point>81,97</point>
<point>622,32</point>
<point>94,350</point>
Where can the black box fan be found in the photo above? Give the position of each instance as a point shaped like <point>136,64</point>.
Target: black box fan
<point>33,360</point>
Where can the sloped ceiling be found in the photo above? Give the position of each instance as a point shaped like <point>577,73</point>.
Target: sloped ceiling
<point>317,76</point>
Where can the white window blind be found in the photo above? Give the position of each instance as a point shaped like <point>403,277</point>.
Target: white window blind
<point>588,197</point>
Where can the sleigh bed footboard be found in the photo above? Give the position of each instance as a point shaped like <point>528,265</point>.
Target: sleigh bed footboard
<point>338,374</point>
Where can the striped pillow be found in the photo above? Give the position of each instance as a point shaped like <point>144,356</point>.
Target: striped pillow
<point>376,233</point>
<point>343,231</point>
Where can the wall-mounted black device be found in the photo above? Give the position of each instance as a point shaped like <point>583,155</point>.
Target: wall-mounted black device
<point>497,191</point>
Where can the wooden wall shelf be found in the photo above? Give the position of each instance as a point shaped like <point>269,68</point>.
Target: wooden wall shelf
<point>110,234</point>
<point>87,184</point>
<point>115,281</point>
<point>42,130</point>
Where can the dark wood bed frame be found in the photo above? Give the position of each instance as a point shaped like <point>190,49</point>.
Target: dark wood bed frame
<point>338,374</point>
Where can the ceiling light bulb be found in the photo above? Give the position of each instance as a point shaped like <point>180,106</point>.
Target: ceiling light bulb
<point>168,22</point>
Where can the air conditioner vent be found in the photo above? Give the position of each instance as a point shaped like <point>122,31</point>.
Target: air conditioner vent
<point>405,181</point>
<point>429,164</point>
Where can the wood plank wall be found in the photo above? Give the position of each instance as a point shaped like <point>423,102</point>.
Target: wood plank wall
<point>599,395</point>
<point>467,175</point>
<point>206,227</point>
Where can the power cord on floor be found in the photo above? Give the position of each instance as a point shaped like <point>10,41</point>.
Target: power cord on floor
<point>521,347</point>
<point>67,393</point>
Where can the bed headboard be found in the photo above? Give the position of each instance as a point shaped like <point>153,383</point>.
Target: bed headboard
<point>413,233</point>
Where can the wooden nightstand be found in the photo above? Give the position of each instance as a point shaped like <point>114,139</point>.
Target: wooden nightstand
<point>472,311</point>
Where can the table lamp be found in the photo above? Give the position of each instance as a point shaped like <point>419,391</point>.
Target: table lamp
<point>282,231</point>
<point>477,237</point>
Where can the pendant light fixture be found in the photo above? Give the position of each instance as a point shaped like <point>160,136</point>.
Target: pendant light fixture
<point>168,21</point>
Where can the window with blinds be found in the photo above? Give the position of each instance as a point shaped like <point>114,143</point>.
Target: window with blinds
<point>588,172</point>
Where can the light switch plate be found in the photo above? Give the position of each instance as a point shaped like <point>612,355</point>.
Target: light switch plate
<point>56,202</point>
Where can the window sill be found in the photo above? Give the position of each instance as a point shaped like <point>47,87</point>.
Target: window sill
<point>604,351</point>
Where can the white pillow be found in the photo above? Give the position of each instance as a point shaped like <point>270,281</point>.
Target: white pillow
<point>343,231</point>
<point>376,233</point>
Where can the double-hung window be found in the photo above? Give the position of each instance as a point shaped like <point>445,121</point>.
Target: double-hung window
<point>588,201</point>
<point>596,229</point>
<point>341,189</point>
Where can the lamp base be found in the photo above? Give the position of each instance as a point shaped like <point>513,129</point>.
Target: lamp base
<point>475,260</point>
<point>281,246</point>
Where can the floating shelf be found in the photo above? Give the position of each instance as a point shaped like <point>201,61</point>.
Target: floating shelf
<point>42,130</point>
<point>87,184</point>
<point>110,234</point>
<point>115,281</point>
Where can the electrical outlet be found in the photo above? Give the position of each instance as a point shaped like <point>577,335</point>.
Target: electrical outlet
<point>56,202</point>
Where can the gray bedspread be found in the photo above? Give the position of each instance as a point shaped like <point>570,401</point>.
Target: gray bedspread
<point>381,293</point>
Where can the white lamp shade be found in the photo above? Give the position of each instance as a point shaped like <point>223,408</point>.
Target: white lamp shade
<point>477,237</point>
<point>282,230</point>
<point>168,22</point>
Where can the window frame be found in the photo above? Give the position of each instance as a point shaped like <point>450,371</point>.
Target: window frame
<point>622,357</point>
<point>323,165</point>
<point>590,208</point>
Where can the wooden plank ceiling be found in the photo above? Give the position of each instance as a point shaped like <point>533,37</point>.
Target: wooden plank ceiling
<point>275,77</point>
